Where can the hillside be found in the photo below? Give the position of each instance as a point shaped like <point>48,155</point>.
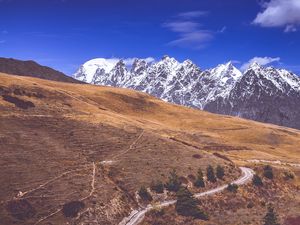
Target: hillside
<point>63,142</point>
<point>33,69</point>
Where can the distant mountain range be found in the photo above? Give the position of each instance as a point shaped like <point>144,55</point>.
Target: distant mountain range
<point>263,94</point>
<point>33,69</point>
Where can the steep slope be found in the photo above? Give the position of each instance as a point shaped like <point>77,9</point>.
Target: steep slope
<point>33,69</point>
<point>223,89</point>
<point>263,94</point>
<point>64,142</point>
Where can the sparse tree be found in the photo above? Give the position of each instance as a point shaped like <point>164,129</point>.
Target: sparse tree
<point>157,186</point>
<point>144,194</point>
<point>210,173</point>
<point>232,188</point>
<point>173,184</point>
<point>268,172</point>
<point>220,172</point>
<point>199,181</point>
<point>271,217</point>
<point>257,180</point>
<point>186,205</point>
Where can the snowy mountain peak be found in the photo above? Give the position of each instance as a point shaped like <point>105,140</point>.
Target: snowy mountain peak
<point>262,93</point>
<point>88,70</point>
<point>226,72</point>
<point>254,66</point>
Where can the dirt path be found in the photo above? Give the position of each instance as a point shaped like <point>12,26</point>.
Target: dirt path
<point>130,147</point>
<point>92,183</point>
<point>137,216</point>
<point>90,194</point>
<point>22,194</point>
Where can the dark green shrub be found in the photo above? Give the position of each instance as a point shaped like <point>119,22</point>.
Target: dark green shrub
<point>186,205</point>
<point>271,217</point>
<point>232,188</point>
<point>210,173</point>
<point>268,172</point>
<point>220,172</point>
<point>256,180</point>
<point>173,184</point>
<point>71,209</point>
<point>20,209</point>
<point>144,194</point>
<point>157,186</point>
<point>199,181</point>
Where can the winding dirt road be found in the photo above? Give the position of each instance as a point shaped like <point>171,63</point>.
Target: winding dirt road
<point>137,216</point>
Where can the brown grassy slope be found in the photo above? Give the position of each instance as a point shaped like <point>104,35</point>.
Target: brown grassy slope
<point>69,126</point>
<point>33,69</point>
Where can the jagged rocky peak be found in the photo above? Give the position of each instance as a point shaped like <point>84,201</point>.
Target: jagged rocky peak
<point>169,61</point>
<point>260,93</point>
<point>254,66</point>
<point>139,65</point>
<point>226,73</point>
<point>189,64</point>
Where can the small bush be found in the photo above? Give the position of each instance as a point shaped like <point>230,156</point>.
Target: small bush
<point>21,209</point>
<point>268,172</point>
<point>257,180</point>
<point>173,184</point>
<point>271,217</point>
<point>144,194</point>
<point>199,181</point>
<point>157,211</point>
<point>250,205</point>
<point>157,186</point>
<point>220,172</point>
<point>232,188</point>
<point>210,173</point>
<point>288,175</point>
<point>197,156</point>
<point>71,209</point>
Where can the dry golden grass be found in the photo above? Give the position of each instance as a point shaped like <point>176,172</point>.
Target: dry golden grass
<point>75,124</point>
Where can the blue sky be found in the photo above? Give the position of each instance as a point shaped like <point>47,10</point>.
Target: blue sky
<point>65,33</point>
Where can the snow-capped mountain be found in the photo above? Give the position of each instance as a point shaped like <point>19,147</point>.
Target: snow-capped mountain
<point>260,93</point>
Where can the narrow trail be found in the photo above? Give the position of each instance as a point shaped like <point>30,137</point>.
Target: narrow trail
<point>92,183</point>
<point>84,198</point>
<point>136,216</point>
<point>22,194</point>
<point>130,147</point>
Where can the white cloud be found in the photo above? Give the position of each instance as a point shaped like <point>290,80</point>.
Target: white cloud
<point>260,60</point>
<point>290,28</point>
<point>192,14</point>
<point>182,26</point>
<point>190,34</point>
<point>280,13</point>
<point>196,39</point>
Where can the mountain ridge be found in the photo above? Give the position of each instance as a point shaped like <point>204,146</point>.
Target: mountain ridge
<point>33,69</point>
<point>223,89</point>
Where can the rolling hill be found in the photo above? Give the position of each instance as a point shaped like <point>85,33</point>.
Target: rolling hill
<point>63,142</point>
<point>33,69</point>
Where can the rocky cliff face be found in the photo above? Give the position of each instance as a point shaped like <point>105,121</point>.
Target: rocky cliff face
<point>260,93</point>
